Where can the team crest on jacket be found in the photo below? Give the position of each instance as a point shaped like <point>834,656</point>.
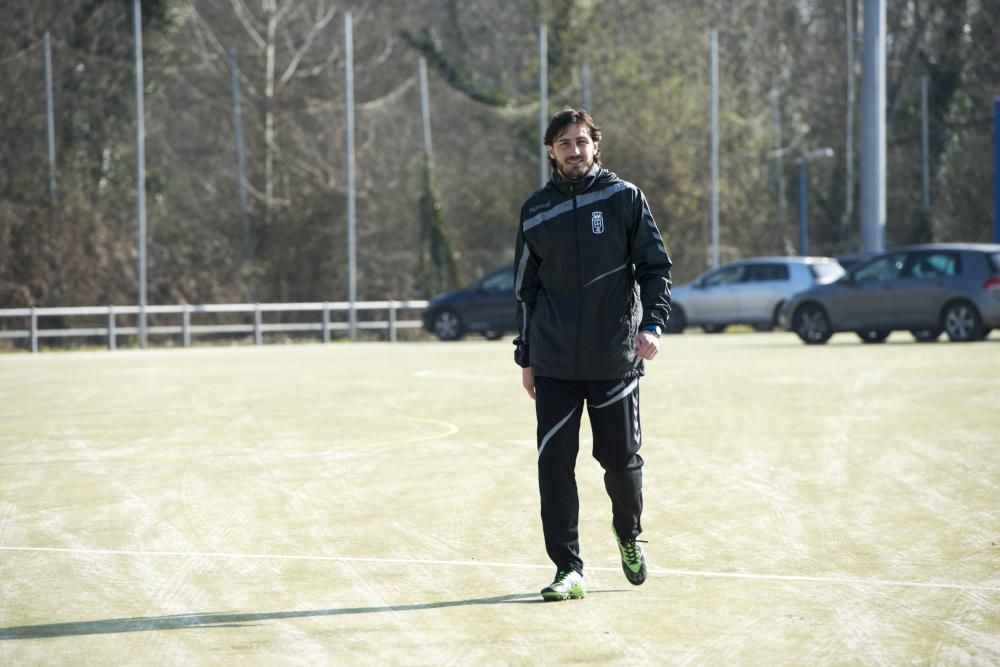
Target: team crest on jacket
<point>597,222</point>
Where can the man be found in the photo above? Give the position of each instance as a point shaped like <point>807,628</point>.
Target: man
<point>592,281</point>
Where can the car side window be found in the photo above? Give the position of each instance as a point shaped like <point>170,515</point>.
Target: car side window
<point>934,265</point>
<point>501,282</point>
<point>883,268</point>
<point>724,276</point>
<point>764,273</point>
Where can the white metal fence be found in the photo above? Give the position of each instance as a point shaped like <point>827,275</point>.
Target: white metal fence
<point>324,323</point>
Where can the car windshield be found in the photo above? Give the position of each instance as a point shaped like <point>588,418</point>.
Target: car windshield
<point>887,267</point>
<point>724,276</point>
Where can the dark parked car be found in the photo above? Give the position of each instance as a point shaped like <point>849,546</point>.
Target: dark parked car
<point>925,289</point>
<point>748,291</point>
<point>487,306</point>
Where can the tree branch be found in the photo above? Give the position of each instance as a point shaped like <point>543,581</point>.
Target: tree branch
<point>300,53</point>
<point>243,14</point>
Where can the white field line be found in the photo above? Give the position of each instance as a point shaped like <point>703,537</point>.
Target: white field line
<point>445,375</point>
<point>848,581</point>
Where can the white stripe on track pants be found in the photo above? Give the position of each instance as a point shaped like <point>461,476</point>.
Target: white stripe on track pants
<point>613,408</point>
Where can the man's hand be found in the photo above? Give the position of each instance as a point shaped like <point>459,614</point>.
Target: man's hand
<point>528,380</point>
<point>646,345</point>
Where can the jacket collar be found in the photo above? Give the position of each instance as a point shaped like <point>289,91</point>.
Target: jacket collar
<point>571,188</point>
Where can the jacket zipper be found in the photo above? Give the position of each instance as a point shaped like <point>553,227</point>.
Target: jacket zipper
<point>579,283</point>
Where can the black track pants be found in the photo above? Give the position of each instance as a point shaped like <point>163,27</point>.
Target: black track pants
<point>613,408</point>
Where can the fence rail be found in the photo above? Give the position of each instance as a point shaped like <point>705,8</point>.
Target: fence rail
<point>111,330</point>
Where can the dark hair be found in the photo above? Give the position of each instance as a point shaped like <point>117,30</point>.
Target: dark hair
<point>563,119</point>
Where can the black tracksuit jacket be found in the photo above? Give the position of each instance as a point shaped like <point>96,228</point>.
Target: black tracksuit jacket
<point>590,269</point>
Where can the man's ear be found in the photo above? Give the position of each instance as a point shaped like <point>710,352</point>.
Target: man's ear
<point>551,153</point>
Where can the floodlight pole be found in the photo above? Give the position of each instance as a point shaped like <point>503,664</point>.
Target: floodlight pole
<point>49,120</point>
<point>352,270</point>
<point>779,169</point>
<point>873,155</point>
<point>713,49</point>
<point>425,109</point>
<point>543,101</point>
<point>241,169</point>
<point>996,169</point>
<point>925,148</point>
<point>140,168</point>
<point>803,210</point>
<point>803,196</point>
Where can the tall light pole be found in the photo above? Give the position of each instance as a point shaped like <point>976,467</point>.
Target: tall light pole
<point>140,167</point>
<point>49,120</point>
<point>241,168</point>
<point>425,109</point>
<point>996,169</point>
<point>713,56</point>
<point>925,150</point>
<point>352,220</point>
<point>873,156</point>
<point>779,169</point>
<point>814,154</point>
<point>543,102</point>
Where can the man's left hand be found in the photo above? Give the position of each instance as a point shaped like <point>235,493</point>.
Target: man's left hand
<point>646,345</point>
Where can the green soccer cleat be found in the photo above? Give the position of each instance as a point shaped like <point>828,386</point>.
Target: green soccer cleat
<point>633,559</point>
<point>568,585</point>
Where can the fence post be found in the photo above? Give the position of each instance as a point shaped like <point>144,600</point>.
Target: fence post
<point>326,321</point>
<point>112,335</point>
<point>34,330</point>
<point>392,321</point>
<point>257,326</point>
<point>186,326</point>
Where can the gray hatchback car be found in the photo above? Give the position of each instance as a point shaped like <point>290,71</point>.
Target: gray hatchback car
<point>748,291</point>
<point>925,289</point>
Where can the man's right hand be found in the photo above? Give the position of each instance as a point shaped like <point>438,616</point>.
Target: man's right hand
<point>528,380</point>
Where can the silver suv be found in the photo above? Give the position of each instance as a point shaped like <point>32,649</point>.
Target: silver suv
<point>748,291</point>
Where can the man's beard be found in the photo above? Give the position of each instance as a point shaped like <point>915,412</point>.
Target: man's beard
<point>575,172</point>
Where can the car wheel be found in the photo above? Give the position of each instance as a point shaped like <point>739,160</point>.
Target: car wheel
<point>492,335</point>
<point>873,336</point>
<point>811,324</point>
<point>713,328</point>
<point>448,325</point>
<point>677,321</point>
<point>961,322</point>
<point>926,335</point>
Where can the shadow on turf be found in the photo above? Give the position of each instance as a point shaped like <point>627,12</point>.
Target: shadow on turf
<point>223,620</point>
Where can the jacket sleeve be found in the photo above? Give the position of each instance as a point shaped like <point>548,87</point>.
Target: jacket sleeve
<point>652,265</point>
<point>525,293</point>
